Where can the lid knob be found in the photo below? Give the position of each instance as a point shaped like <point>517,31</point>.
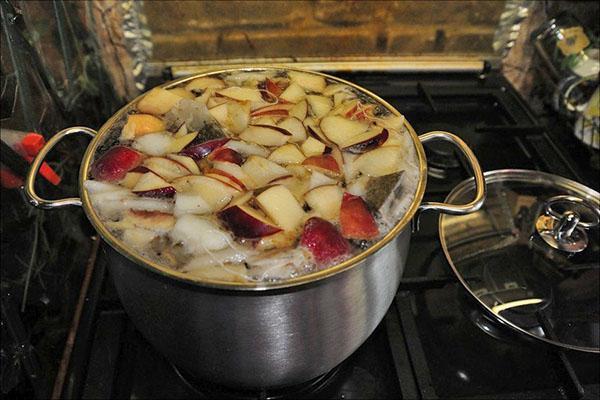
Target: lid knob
<point>564,222</point>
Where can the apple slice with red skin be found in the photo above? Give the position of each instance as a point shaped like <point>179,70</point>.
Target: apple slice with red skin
<point>356,221</point>
<point>166,168</point>
<point>280,109</point>
<point>201,150</point>
<point>366,141</point>
<point>226,154</point>
<point>324,241</point>
<point>186,161</point>
<point>265,135</point>
<point>247,223</point>
<point>115,163</point>
<point>152,185</point>
<point>226,178</point>
<point>325,163</point>
<point>269,90</point>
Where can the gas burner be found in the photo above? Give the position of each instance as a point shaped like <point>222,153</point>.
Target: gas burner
<point>441,157</point>
<point>208,390</point>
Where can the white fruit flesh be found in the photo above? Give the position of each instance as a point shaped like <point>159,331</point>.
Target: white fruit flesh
<point>299,110</point>
<point>190,203</point>
<point>294,126</point>
<point>187,162</point>
<point>310,82</point>
<point>182,93</point>
<point>150,181</point>
<point>263,171</point>
<point>312,147</point>
<point>219,113</point>
<point>358,187</point>
<point>138,237</point>
<point>199,235</point>
<point>235,171</point>
<point>264,136</point>
<point>325,201</point>
<point>293,93</point>
<point>319,105</point>
<point>158,101</point>
<point>283,208</point>
<point>216,193</point>
<point>204,83</point>
<point>319,179</point>
<point>247,149</point>
<point>179,143</point>
<point>381,161</point>
<point>241,93</point>
<point>165,168</point>
<point>339,129</point>
<point>287,154</point>
<point>130,179</point>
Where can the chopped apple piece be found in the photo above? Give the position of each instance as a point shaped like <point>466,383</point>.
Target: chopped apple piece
<point>158,101</point>
<point>397,139</point>
<point>318,179</point>
<point>264,135</point>
<point>201,150</point>
<point>381,161</point>
<point>226,154</point>
<point>219,113</point>
<point>238,116</point>
<point>187,162</point>
<point>339,129</point>
<point>263,171</point>
<point>235,171</point>
<point>215,101</point>
<point>313,130</point>
<point>299,110</point>
<point>180,143</point>
<point>165,168</point>
<point>355,219</point>
<point>154,144</point>
<point>241,93</point>
<point>205,82</point>
<point>199,235</point>
<point>131,179</point>
<point>324,163</point>
<point>152,185</point>
<point>334,88</point>
<point>247,149</point>
<point>324,241</point>
<point>287,154</point>
<point>246,222</point>
<point>350,170</point>
<point>152,220</point>
<point>325,201</point>
<point>190,203</point>
<point>358,187</point>
<point>182,131</point>
<point>216,193</point>
<point>319,105</point>
<point>138,237</point>
<point>182,93</point>
<point>115,163</point>
<point>281,109</point>
<point>295,127</point>
<point>226,179</point>
<point>310,82</point>
<point>341,97</point>
<point>365,141</point>
<point>293,94</point>
<point>278,240</point>
<point>312,147</point>
<point>141,124</point>
<point>393,122</point>
<point>281,205</point>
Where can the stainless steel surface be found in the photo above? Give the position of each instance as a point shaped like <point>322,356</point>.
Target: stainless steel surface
<point>36,200</point>
<point>566,230</point>
<point>509,269</point>
<point>260,334</point>
<point>262,339</point>
<point>479,197</point>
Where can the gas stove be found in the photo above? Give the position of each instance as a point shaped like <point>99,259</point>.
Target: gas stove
<point>433,342</point>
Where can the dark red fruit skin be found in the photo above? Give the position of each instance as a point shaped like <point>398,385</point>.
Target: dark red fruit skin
<point>369,144</point>
<point>226,154</point>
<point>355,219</point>
<point>161,193</point>
<point>324,241</point>
<point>325,161</point>
<point>115,164</point>
<point>200,150</point>
<point>245,226</point>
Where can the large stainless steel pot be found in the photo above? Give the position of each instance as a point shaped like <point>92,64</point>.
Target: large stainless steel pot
<point>257,335</point>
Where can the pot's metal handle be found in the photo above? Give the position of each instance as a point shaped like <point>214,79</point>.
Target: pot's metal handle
<point>32,196</point>
<point>454,209</point>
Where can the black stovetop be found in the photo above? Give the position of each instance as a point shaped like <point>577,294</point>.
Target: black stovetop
<point>431,342</point>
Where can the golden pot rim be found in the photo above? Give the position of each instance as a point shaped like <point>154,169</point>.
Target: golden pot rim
<point>316,276</point>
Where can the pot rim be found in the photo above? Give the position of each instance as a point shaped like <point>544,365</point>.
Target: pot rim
<point>346,265</point>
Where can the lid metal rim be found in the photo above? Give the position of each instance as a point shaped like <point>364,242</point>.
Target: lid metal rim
<point>132,255</point>
<point>525,176</point>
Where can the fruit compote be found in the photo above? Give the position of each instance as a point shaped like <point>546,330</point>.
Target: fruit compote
<point>254,176</point>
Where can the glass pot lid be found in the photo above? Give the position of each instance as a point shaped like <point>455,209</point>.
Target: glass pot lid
<point>530,255</point>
